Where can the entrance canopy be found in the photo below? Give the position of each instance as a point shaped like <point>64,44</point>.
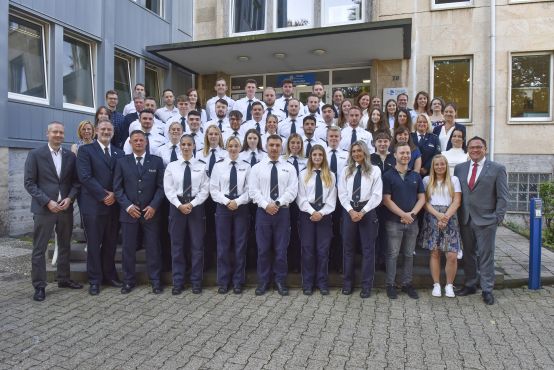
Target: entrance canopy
<point>328,47</point>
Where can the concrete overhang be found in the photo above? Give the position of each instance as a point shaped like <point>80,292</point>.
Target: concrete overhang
<point>319,48</point>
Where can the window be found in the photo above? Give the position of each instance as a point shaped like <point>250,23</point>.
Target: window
<point>122,80</point>
<point>155,6</point>
<point>451,81</point>
<point>449,4</point>
<point>531,87</point>
<point>78,86</point>
<point>291,16</point>
<point>27,63</point>
<point>248,16</point>
<point>523,186</point>
<point>152,77</point>
<point>341,11</point>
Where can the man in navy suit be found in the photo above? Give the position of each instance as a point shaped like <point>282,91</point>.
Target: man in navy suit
<point>51,179</point>
<point>138,188</point>
<point>98,206</point>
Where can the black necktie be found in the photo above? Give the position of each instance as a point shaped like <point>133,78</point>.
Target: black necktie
<point>295,164</point>
<point>258,127</point>
<point>233,181</point>
<point>354,136</point>
<point>184,123</point>
<point>147,134</point>
<point>334,162</point>
<point>219,124</point>
<point>269,110</point>
<point>356,189</point>
<point>249,110</point>
<point>236,133</point>
<point>212,162</point>
<point>308,147</point>
<point>274,182</point>
<point>187,182</point>
<point>293,126</point>
<point>107,154</point>
<point>253,160</point>
<point>318,191</point>
<point>173,153</point>
<point>420,138</point>
<point>286,109</point>
<point>139,165</point>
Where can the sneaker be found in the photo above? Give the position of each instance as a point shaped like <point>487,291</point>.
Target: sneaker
<point>449,291</point>
<point>436,290</point>
<point>410,291</point>
<point>391,292</point>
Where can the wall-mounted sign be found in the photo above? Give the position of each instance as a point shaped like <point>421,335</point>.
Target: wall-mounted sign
<point>297,79</point>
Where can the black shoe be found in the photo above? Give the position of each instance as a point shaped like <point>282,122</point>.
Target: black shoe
<point>467,290</point>
<point>307,291</point>
<point>127,288</point>
<point>488,298</point>
<point>237,289</point>
<point>157,289</point>
<point>40,295</point>
<point>365,293</point>
<point>222,290</point>
<point>113,283</point>
<point>324,291</point>
<point>346,291</point>
<point>410,291</point>
<point>196,289</point>
<point>391,292</point>
<point>282,289</point>
<point>94,289</point>
<point>69,284</point>
<point>261,289</point>
<point>178,289</point>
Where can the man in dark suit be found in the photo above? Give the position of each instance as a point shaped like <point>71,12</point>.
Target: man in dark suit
<point>138,188</point>
<point>484,199</point>
<point>98,206</point>
<point>51,179</point>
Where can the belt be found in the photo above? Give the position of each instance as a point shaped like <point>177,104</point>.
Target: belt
<point>317,206</point>
<point>185,200</point>
<point>358,205</point>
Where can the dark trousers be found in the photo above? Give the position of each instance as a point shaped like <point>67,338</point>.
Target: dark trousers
<point>293,254</point>
<point>381,241</point>
<point>210,239</point>
<point>101,231</point>
<point>479,243</point>
<point>232,232</point>
<point>165,242</point>
<point>366,229</point>
<point>335,254</point>
<point>187,232</point>
<point>272,235</point>
<point>251,246</point>
<point>150,241</point>
<point>62,223</point>
<point>315,240</point>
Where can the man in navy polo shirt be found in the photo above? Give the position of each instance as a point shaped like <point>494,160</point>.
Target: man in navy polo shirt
<point>404,196</point>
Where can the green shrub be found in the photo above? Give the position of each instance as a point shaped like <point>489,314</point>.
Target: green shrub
<point>546,192</point>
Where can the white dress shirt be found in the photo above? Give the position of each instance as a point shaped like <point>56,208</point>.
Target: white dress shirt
<point>230,132</point>
<point>173,182</point>
<point>302,162</point>
<point>313,141</point>
<point>444,136</point>
<point>480,164</point>
<point>276,112</point>
<point>198,141</point>
<point>224,124</point>
<point>219,182</point>
<point>210,106</point>
<point>370,191</point>
<point>252,125</point>
<point>219,153</point>
<point>164,113</point>
<point>306,194</point>
<point>455,156</point>
<point>129,108</point>
<point>259,183</point>
<point>155,140</point>
<point>246,155</point>
<point>164,152</point>
<point>177,118</point>
<point>264,141</point>
<point>158,127</point>
<point>242,105</point>
<point>280,104</point>
<point>286,124</point>
<point>361,134</point>
<point>321,129</point>
<point>342,159</point>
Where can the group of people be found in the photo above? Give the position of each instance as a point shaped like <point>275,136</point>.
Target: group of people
<point>314,184</point>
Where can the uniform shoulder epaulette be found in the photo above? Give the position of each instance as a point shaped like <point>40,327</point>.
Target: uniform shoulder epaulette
<point>201,161</point>
<point>221,160</point>
<point>245,161</point>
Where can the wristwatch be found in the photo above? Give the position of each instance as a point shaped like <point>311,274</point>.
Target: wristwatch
<point>414,215</point>
<point>277,203</point>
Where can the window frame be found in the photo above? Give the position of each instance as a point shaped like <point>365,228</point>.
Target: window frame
<point>159,78</point>
<point>530,120</point>
<point>232,32</point>
<point>142,4</point>
<point>284,29</point>
<point>325,24</point>
<point>131,69</point>
<point>92,53</point>
<point>44,29</point>
<point>466,121</point>
<point>457,5</point>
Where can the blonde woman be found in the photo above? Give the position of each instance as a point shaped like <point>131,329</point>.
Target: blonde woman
<point>317,198</point>
<point>441,232</point>
<point>85,133</point>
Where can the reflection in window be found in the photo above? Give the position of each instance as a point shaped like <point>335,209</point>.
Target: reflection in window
<point>122,81</point>
<point>341,11</point>
<point>531,84</point>
<point>452,83</point>
<point>77,73</point>
<point>152,82</point>
<point>290,14</point>
<point>26,58</point>
<point>154,6</point>
<point>249,15</point>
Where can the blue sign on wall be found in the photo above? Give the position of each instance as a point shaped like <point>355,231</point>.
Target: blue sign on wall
<point>297,79</point>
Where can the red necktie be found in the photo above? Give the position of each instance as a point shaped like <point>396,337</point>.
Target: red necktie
<point>473,177</point>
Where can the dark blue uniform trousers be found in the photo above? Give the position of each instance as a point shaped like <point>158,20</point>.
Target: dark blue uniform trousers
<point>272,235</point>
<point>315,239</point>
<point>101,232</point>
<point>366,229</point>
<point>193,225</point>
<point>232,233</point>
<point>150,241</point>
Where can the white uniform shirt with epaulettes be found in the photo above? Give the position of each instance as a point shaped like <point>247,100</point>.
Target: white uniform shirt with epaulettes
<point>155,140</point>
<point>259,182</point>
<point>246,156</point>
<point>219,182</point>
<point>342,159</point>
<point>164,152</point>
<point>302,162</point>
<point>158,127</point>
<point>173,181</point>
<point>225,125</point>
<point>219,153</point>
<point>275,111</point>
<point>198,140</point>
<point>361,134</point>
<point>313,141</point>
<point>371,189</point>
<point>286,124</point>
<point>306,194</point>
<point>178,118</point>
<point>321,130</point>
<point>230,132</point>
<point>264,141</point>
<point>280,104</point>
<point>164,113</point>
<point>210,106</point>
<point>242,105</point>
<point>248,125</point>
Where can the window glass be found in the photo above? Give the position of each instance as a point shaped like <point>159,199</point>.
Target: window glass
<point>26,58</point>
<point>122,81</point>
<point>290,14</point>
<point>239,83</point>
<point>531,84</point>
<point>77,73</point>
<point>441,2</point>
<point>154,6</point>
<point>152,83</point>
<point>452,83</point>
<point>341,11</point>
<point>249,15</point>
<point>351,76</point>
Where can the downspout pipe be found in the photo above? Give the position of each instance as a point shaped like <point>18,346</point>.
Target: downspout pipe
<point>492,74</point>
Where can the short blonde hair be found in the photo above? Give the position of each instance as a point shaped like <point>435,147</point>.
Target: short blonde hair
<point>81,125</point>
